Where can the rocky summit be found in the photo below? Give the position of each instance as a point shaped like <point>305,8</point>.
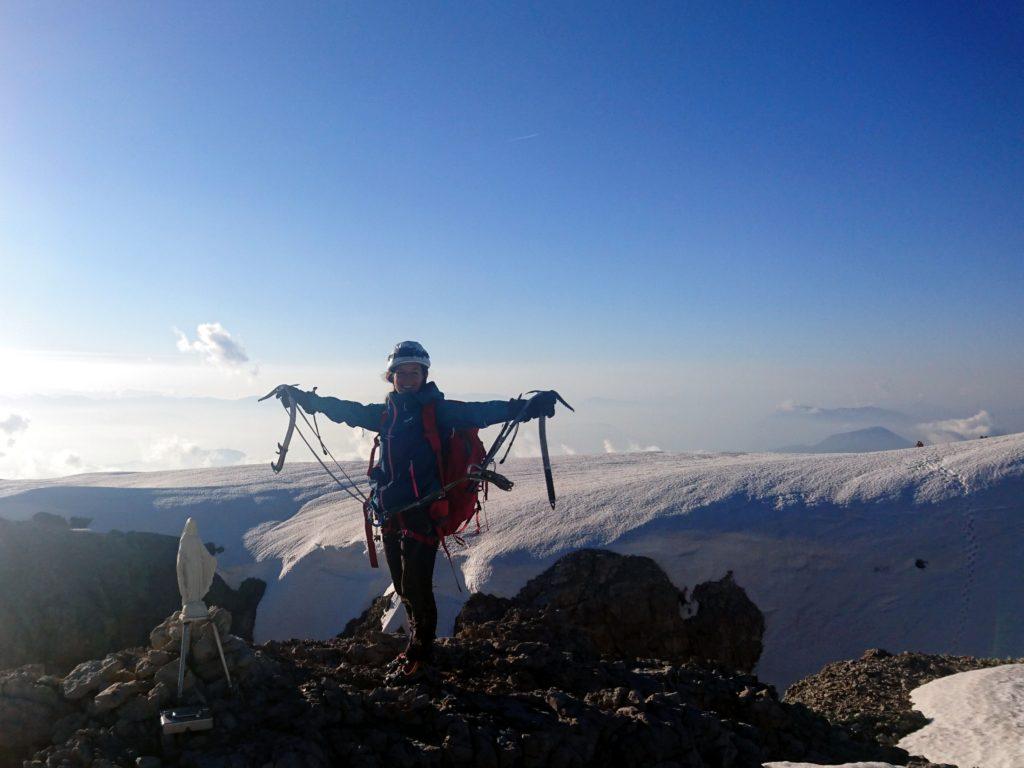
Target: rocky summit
<point>525,690</point>
<point>871,695</point>
<point>522,683</point>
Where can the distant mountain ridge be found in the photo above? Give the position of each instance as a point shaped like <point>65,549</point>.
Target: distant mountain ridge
<point>857,441</point>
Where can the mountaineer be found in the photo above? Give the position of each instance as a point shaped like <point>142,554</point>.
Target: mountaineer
<point>408,489</point>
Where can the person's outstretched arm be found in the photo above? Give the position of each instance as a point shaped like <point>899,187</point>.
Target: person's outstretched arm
<point>455,415</point>
<point>341,411</point>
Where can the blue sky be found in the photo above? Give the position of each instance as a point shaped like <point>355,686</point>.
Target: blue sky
<point>717,184</point>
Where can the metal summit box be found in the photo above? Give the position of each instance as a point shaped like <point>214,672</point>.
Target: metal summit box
<point>182,719</point>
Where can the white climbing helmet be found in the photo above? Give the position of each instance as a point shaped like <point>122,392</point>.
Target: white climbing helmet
<point>406,352</point>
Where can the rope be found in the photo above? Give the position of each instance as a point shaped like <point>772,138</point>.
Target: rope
<point>327,452</point>
<point>357,496</point>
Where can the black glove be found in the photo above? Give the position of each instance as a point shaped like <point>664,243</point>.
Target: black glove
<point>541,404</point>
<point>305,400</point>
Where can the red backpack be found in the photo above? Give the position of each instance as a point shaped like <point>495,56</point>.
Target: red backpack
<point>457,452</point>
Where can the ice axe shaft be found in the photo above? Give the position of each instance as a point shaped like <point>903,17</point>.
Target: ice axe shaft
<point>546,458</point>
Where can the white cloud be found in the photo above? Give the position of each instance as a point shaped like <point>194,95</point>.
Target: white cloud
<point>635,447</point>
<point>52,463</point>
<point>526,446</point>
<point>215,345</point>
<point>632,446</point>
<point>14,424</point>
<point>175,452</point>
<point>568,450</point>
<point>950,430</point>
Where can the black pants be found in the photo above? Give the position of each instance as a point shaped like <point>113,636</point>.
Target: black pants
<point>412,572</point>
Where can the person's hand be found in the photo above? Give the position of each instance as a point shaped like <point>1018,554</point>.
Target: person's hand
<point>287,394</point>
<point>541,404</point>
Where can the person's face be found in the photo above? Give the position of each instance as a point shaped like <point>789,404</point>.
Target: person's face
<point>408,377</point>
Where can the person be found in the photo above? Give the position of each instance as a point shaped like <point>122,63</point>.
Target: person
<point>407,470</point>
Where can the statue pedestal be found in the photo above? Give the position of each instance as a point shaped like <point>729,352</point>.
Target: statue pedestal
<point>195,718</point>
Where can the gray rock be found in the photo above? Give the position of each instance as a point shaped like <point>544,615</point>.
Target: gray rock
<point>90,676</point>
<point>162,694</point>
<point>150,663</point>
<point>139,708</point>
<point>115,695</point>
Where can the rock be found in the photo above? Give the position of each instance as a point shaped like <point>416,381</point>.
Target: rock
<point>67,582</point>
<point>66,726</point>
<point>204,644</point>
<point>626,607</point>
<point>50,520</point>
<point>481,607</point>
<point>150,663</point>
<point>142,707</point>
<point>369,620</point>
<point>168,676</point>
<point>161,693</point>
<point>90,676</point>
<point>222,618</point>
<point>28,710</point>
<point>115,695</point>
<point>727,628</point>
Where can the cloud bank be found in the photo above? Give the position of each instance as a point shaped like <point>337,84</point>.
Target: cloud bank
<point>216,346</point>
<point>632,446</point>
<point>950,430</point>
<point>862,414</point>
<point>14,424</point>
<point>178,453</point>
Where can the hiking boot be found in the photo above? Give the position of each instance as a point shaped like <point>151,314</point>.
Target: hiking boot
<point>410,672</point>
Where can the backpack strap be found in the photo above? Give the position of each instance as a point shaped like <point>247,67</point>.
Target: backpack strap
<point>371,548</point>
<point>429,412</point>
<point>376,441</point>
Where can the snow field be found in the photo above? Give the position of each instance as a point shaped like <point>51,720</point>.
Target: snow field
<point>913,549</point>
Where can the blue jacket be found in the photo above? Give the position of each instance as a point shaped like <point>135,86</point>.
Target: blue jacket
<point>407,467</point>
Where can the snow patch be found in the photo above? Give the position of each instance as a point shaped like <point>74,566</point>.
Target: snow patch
<point>977,718</point>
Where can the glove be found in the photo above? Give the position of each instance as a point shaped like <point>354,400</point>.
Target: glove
<point>542,404</point>
<point>305,400</point>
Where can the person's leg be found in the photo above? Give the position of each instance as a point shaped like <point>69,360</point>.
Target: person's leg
<point>418,589</point>
<point>393,554</point>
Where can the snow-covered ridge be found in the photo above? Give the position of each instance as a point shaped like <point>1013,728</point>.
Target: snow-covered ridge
<point>908,549</point>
